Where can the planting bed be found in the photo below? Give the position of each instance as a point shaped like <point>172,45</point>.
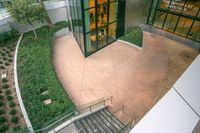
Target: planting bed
<point>44,98</point>
<point>11,118</point>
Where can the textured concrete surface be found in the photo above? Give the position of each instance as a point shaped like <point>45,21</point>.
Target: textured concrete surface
<point>135,78</point>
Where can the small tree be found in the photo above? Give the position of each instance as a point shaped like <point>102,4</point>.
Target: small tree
<point>50,24</point>
<point>26,12</point>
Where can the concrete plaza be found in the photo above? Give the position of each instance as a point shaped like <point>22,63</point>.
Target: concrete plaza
<point>135,78</point>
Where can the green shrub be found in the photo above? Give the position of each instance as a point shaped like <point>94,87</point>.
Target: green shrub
<point>1,96</point>
<point>2,67</point>
<point>12,49</point>
<point>10,55</point>
<point>1,62</point>
<point>5,86</point>
<point>10,60</point>
<point>8,92</point>
<point>14,119</point>
<point>7,37</point>
<point>4,58</point>
<point>2,111</point>
<point>4,128</point>
<point>135,36</point>
<point>13,112</point>
<point>7,64</point>
<point>35,65</point>
<point>1,103</point>
<point>19,129</point>
<point>3,54</point>
<point>12,104</point>
<point>9,97</point>
<point>2,120</point>
<point>4,80</point>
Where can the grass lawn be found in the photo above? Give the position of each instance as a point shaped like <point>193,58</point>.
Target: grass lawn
<point>36,75</point>
<point>135,36</point>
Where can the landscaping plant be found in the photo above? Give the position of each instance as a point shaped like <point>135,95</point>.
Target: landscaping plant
<point>26,12</point>
<point>36,74</point>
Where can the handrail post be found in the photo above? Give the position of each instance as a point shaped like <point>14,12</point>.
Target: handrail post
<point>123,109</point>
<point>90,109</point>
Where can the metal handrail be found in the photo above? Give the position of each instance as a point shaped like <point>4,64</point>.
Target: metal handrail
<point>90,106</point>
<point>69,115</point>
<point>127,126</point>
<point>54,123</point>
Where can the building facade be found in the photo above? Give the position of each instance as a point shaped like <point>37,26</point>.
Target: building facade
<point>97,23</point>
<point>181,17</point>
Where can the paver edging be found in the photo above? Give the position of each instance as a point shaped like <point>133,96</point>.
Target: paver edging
<point>24,113</point>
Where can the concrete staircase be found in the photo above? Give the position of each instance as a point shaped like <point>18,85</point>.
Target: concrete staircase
<point>101,121</point>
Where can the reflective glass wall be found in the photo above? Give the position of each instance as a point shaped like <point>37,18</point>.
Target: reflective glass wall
<point>97,22</point>
<point>136,13</point>
<point>77,22</point>
<point>181,17</point>
<point>100,21</point>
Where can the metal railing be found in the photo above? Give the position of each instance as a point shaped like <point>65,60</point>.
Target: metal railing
<point>127,128</point>
<point>89,106</point>
<point>64,117</point>
<point>56,121</point>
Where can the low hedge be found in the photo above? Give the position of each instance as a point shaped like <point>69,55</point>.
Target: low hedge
<point>37,74</point>
<point>8,37</point>
<point>135,36</point>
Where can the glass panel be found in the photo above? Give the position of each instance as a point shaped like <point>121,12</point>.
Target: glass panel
<point>164,4</point>
<point>159,19</point>
<point>90,23</point>
<point>89,3</point>
<point>91,42</point>
<point>101,16</point>
<point>170,22</point>
<point>113,11</point>
<point>112,32</point>
<point>113,0</point>
<point>173,5</point>
<point>102,37</point>
<point>183,26</point>
<point>102,2</point>
<point>191,7</point>
<point>195,31</point>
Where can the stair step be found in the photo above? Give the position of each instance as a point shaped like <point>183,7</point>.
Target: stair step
<point>91,125</point>
<point>102,123</point>
<point>109,125</point>
<point>85,126</point>
<point>110,119</point>
<point>119,123</point>
<point>96,123</point>
<point>79,127</point>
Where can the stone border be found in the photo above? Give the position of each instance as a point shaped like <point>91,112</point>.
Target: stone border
<point>28,123</point>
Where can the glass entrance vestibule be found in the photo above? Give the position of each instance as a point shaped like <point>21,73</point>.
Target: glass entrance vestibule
<point>97,23</point>
<point>181,17</point>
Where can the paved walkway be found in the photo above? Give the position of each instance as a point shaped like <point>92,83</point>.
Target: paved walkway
<point>135,78</point>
